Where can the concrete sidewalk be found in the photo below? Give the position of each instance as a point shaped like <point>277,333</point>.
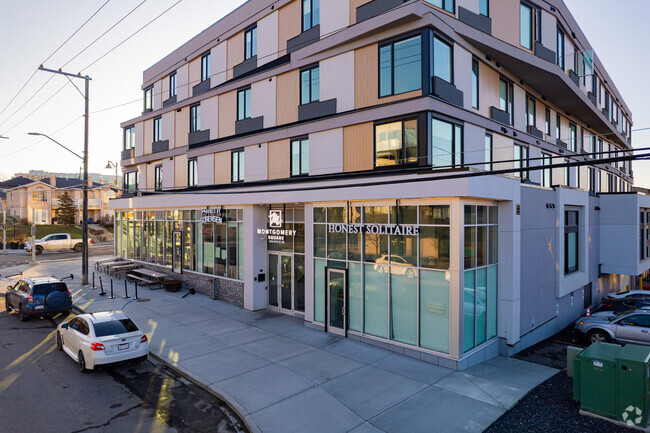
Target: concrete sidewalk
<point>284,377</point>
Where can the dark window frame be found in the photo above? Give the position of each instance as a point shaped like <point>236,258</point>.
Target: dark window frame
<point>489,159</point>
<point>560,53</point>
<point>313,23</point>
<point>476,84</point>
<point>573,140</point>
<point>487,5</point>
<point>533,34</point>
<point>392,41</point>
<point>157,129</point>
<point>250,51</point>
<point>510,98</point>
<point>456,154</point>
<point>530,99</point>
<point>558,126</point>
<point>126,182</point>
<point>446,41</point>
<point>148,104</point>
<point>205,66</point>
<point>240,176</point>
<point>547,171</point>
<point>570,228</point>
<point>240,91</point>
<point>172,84</point>
<point>130,131</point>
<point>158,177</point>
<point>192,172</point>
<point>522,161</point>
<point>195,117</point>
<point>301,171</point>
<point>309,70</point>
<point>547,120</point>
<point>402,119</point>
<point>451,9</point>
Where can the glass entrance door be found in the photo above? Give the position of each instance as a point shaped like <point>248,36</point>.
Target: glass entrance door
<point>177,252</point>
<point>336,290</point>
<point>281,282</point>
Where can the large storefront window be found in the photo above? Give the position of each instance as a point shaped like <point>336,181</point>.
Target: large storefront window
<point>214,248</point>
<point>397,261</point>
<point>480,288</point>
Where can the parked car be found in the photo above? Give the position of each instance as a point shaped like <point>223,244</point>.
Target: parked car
<point>103,338</point>
<point>56,242</point>
<point>34,297</point>
<point>624,304</point>
<point>405,267</point>
<point>631,326</point>
<point>630,294</point>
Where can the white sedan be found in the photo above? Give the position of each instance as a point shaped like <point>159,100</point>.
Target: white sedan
<point>101,338</point>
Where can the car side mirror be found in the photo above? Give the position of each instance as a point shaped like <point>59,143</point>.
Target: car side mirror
<point>10,288</point>
<point>64,326</point>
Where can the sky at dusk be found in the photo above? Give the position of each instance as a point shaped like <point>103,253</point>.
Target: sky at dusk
<point>32,30</point>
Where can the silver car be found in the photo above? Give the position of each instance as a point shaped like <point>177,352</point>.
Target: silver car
<point>632,326</point>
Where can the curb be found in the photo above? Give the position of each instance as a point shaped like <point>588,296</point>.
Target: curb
<point>235,407</point>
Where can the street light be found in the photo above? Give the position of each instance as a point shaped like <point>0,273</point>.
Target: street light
<point>84,223</point>
<point>2,136</point>
<point>114,165</point>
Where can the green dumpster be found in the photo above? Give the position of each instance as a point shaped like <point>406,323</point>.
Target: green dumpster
<point>614,381</point>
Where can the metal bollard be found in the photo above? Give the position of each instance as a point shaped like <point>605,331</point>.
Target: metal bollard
<point>126,290</point>
<point>136,297</point>
<point>111,297</point>
<point>101,285</point>
<point>93,287</point>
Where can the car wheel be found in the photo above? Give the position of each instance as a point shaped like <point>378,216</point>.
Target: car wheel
<point>39,251</point>
<point>78,248</point>
<point>21,314</point>
<point>410,273</point>
<point>59,341</point>
<point>82,362</point>
<point>381,269</point>
<point>597,336</point>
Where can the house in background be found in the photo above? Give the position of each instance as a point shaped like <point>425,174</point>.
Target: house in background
<point>37,201</point>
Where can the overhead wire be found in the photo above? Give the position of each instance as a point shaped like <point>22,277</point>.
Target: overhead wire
<point>50,56</point>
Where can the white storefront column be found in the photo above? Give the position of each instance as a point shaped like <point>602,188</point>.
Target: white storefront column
<point>255,292</point>
<point>509,282</point>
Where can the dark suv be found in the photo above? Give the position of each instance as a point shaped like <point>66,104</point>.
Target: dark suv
<point>34,297</point>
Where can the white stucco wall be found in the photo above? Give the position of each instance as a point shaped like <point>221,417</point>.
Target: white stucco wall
<point>263,94</point>
<point>256,162</point>
<point>326,152</point>
<point>218,62</point>
<point>210,116</point>
<point>267,40</point>
<point>334,16</point>
<point>337,81</point>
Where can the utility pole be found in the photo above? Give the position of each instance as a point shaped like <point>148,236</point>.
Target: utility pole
<point>84,225</point>
<point>4,226</point>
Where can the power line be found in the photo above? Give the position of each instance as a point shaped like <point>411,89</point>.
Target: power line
<point>49,57</point>
<point>133,34</point>
<point>103,34</point>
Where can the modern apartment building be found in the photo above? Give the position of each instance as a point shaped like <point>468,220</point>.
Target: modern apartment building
<point>444,178</point>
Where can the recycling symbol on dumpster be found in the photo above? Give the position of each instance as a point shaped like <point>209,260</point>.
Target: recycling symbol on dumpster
<point>632,416</point>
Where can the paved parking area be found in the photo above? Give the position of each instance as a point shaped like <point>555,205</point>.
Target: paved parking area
<point>281,376</point>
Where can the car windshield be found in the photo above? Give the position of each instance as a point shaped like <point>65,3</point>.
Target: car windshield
<point>617,314</point>
<point>102,329</point>
<point>44,289</point>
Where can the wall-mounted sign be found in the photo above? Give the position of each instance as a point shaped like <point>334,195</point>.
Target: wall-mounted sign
<point>275,219</point>
<point>212,215</point>
<point>276,236</point>
<point>375,229</point>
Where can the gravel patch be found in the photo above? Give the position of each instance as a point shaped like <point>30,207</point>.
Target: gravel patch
<point>550,407</point>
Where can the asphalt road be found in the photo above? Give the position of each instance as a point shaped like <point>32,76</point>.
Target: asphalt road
<point>16,258</point>
<point>42,390</point>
